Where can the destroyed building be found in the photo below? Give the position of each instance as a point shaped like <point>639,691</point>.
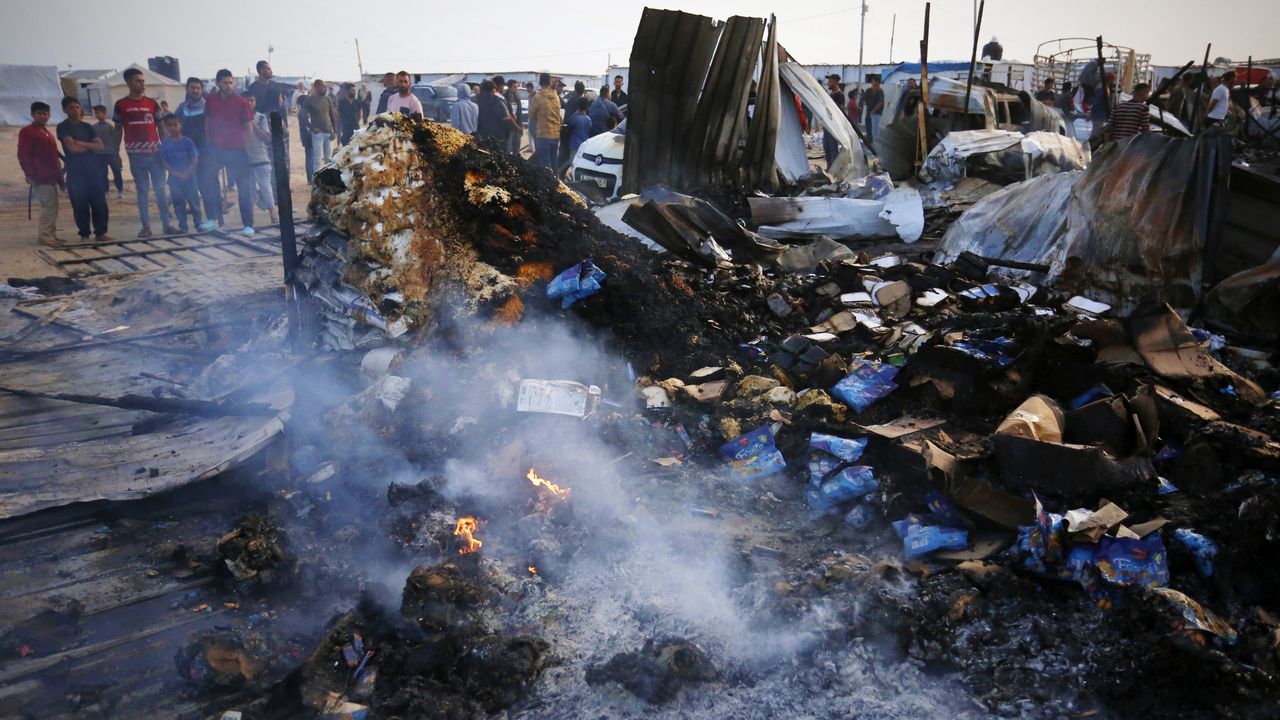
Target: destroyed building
<point>764,439</point>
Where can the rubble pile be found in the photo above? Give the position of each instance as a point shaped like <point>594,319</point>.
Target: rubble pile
<point>1049,490</point>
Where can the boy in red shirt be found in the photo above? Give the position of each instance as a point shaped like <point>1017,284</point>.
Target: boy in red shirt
<point>38,156</point>
<point>137,116</point>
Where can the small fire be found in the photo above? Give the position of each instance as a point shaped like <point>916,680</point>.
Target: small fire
<point>533,570</point>
<point>550,486</point>
<point>466,529</point>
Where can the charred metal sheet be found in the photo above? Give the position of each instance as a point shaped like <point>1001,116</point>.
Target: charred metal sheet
<point>1135,226</point>
<point>721,116</point>
<point>1247,303</point>
<point>1251,234</point>
<point>669,60</point>
<point>760,163</point>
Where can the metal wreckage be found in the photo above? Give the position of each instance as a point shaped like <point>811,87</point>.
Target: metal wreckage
<point>997,440</point>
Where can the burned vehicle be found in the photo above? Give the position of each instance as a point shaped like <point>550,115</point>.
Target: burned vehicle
<point>991,106</point>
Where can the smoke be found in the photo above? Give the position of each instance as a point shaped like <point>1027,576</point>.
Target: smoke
<point>622,559</point>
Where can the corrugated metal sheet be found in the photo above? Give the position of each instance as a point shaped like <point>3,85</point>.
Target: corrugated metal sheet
<point>669,62</point>
<point>760,163</point>
<point>721,118</point>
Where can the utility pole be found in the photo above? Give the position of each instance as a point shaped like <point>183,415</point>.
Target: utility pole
<point>359,61</point>
<point>862,34</point>
<point>893,29</point>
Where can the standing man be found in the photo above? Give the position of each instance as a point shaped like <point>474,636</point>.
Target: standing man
<point>190,114</point>
<point>873,101</point>
<point>227,125</point>
<point>1046,94</point>
<point>322,116</point>
<point>38,156</point>
<point>1131,118</point>
<point>270,96</point>
<point>464,114</point>
<point>493,120</point>
<point>404,101</point>
<point>110,151</point>
<point>388,89</point>
<point>604,114</point>
<point>1216,113</point>
<point>544,122</point>
<point>86,179</point>
<point>137,117</point>
<point>1176,105</point>
<point>1100,109</point>
<point>348,112</point>
<point>513,104</point>
<point>365,98</point>
<point>830,147</point>
<point>619,96</point>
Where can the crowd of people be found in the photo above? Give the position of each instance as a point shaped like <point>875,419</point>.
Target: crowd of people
<point>187,157</point>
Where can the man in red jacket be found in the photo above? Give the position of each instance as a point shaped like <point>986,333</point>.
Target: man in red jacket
<point>38,156</point>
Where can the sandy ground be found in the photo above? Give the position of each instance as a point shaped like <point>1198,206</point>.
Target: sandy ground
<point>18,244</point>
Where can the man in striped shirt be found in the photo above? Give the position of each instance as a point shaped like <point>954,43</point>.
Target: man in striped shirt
<point>1131,118</point>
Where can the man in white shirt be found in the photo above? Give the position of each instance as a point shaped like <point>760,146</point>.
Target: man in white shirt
<point>1216,113</point>
<point>404,101</point>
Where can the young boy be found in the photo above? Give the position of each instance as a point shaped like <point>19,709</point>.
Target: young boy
<point>181,160</point>
<point>110,151</point>
<point>86,179</point>
<point>260,173</point>
<point>38,156</point>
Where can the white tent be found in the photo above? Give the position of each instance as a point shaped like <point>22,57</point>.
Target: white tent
<point>112,87</point>
<point>21,85</point>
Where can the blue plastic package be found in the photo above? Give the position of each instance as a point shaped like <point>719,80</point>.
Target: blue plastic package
<point>578,282</point>
<point>1203,548</point>
<point>924,539</point>
<point>753,456</point>
<point>843,448</point>
<point>848,484</point>
<point>827,453</point>
<point>993,351</point>
<point>902,526</point>
<point>944,512</point>
<point>1164,487</point>
<point>1125,561</point>
<point>867,382</point>
<point>1097,392</point>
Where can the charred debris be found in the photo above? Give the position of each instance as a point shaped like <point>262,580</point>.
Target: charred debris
<point>768,438</point>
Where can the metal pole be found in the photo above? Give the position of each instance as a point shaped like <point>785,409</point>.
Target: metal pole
<point>922,125</point>
<point>893,29</point>
<point>1204,77</point>
<point>862,34</point>
<point>973,60</point>
<point>284,199</point>
<point>1102,72</point>
<point>359,60</point>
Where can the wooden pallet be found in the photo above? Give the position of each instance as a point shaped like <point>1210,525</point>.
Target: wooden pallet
<point>159,253</point>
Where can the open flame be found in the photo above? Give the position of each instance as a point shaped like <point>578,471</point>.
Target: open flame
<point>553,488</point>
<point>533,570</point>
<point>466,529</point>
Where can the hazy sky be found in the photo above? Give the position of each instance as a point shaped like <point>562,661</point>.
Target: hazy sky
<point>318,37</point>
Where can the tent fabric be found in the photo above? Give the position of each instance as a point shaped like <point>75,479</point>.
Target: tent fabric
<point>112,87</point>
<point>1136,225</point>
<point>21,85</point>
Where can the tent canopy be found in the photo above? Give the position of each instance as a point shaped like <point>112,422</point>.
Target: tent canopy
<point>21,85</point>
<point>111,88</point>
